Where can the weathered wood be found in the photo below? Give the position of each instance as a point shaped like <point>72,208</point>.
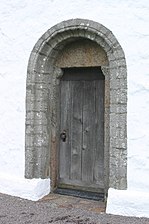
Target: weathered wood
<point>99,127</point>
<point>65,118</point>
<point>76,129</point>
<point>84,74</point>
<point>88,132</point>
<point>82,186</point>
<point>82,117</point>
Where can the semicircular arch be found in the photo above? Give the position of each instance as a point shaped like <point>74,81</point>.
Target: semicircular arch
<point>42,101</point>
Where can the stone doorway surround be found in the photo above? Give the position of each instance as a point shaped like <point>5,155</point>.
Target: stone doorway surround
<point>42,98</point>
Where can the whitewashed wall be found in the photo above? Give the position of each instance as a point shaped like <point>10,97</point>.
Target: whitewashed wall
<point>21,25</point>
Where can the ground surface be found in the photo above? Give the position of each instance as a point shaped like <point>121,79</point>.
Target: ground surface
<point>58,209</point>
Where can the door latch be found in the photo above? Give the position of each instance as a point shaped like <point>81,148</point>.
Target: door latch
<point>63,136</point>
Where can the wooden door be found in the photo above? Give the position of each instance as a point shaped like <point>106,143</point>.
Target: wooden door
<point>81,150</point>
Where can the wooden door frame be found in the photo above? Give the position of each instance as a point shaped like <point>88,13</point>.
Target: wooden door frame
<point>54,159</point>
<point>42,101</point>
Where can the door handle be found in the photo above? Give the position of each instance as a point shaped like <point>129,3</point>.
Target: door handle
<point>63,136</point>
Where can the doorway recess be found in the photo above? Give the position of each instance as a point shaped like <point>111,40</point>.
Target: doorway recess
<point>75,43</point>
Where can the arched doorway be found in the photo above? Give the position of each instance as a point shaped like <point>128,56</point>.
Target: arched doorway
<point>75,43</point>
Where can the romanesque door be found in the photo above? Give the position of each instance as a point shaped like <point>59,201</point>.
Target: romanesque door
<point>81,150</point>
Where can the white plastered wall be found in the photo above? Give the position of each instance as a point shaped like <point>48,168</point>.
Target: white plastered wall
<point>22,24</point>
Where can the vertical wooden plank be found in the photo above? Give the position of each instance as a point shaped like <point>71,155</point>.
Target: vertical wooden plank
<point>88,131</point>
<point>99,126</point>
<point>65,118</point>
<point>76,129</point>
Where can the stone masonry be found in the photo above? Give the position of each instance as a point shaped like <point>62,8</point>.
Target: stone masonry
<point>42,101</point>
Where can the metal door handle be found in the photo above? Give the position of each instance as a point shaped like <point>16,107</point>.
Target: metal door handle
<point>63,136</point>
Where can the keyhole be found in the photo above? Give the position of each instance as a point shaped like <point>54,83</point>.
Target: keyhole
<point>63,136</point>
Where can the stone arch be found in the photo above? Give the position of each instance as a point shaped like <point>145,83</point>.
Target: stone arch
<point>42,101</point>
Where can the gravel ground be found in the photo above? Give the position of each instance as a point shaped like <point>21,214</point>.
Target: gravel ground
<point>14,210</point>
